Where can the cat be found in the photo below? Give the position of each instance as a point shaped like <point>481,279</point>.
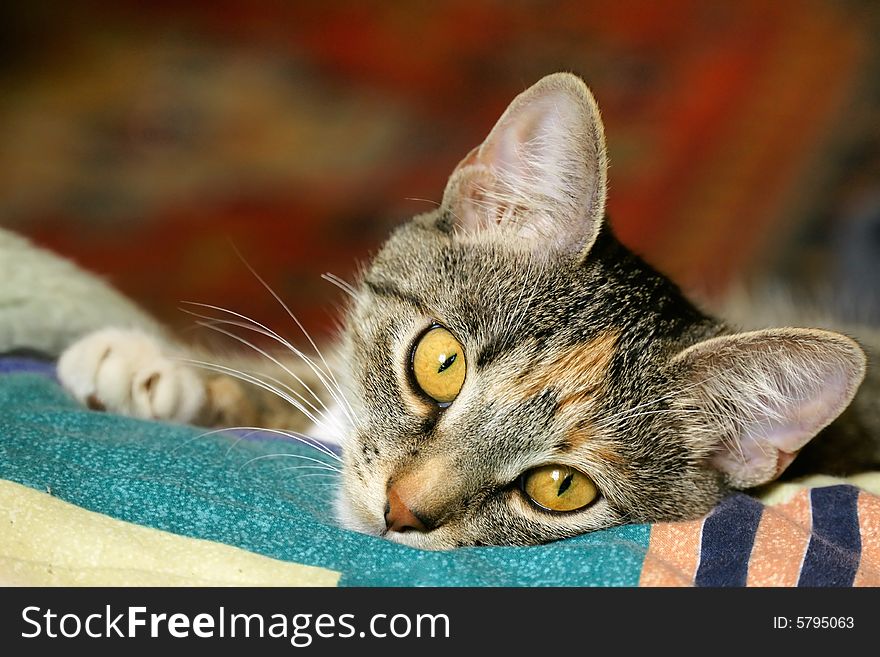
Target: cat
<point>48,302</point>
<point>509,373</point>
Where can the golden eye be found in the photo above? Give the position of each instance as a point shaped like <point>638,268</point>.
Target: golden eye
<point>559,488</point>
<point>438,365</point>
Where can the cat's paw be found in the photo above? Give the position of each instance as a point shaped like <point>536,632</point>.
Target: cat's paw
<point>128,372</point>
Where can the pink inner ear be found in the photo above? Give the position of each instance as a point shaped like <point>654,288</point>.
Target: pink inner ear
<point>507,150</point>
<point>753,467</point>
<point>759,456</point>
<point>522,143</point>
<point>768,445</point>
<point>767,393</point>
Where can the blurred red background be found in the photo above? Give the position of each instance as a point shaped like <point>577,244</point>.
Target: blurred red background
<point>149,141</point>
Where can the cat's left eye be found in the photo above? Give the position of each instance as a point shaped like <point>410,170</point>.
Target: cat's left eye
<point>438,365</point>
<point>559,488</point>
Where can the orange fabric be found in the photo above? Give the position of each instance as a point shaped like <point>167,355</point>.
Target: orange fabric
<point>780,544</point>
<point>673,554</point>
<point>868,573</point>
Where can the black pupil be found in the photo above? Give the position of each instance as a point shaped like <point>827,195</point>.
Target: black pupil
<point>447,363</point>
<point>565,485</point>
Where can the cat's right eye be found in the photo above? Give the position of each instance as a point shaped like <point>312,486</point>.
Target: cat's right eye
<point>559,488</point>
<point>438,365</point>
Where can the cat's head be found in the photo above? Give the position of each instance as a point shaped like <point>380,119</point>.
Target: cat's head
<point>517,376</point>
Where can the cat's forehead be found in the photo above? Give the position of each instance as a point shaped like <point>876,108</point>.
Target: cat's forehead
<point>425,255</point>
<point>482,286</point>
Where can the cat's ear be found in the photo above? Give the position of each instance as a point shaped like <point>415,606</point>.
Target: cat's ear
<point>759,397</point>
<point>541,172</point>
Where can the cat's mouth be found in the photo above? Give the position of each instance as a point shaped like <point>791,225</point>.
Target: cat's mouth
<point>357,517</point>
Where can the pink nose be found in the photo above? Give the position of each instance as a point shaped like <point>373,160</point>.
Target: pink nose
<point>398,517</point>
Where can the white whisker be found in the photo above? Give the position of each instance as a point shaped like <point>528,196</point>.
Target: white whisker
<point>343,285</point>
<point>306,440</point>
<point>296,456</point>
<point>299,437</point>
<point>309,467</point>
<point>257,327</point>
<point>255,380</point>
<point>426,200</point>
<point>308,337</point>
<point>271,358</point>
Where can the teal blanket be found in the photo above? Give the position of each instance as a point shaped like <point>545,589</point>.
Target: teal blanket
<point>243,491</point>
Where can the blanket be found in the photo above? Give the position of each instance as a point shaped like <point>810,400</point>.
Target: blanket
<point>90,498</point>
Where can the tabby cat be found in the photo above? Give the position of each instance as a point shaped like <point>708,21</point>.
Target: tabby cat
<point>509,373</point>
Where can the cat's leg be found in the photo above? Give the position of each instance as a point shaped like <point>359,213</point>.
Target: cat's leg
<point>132,373</point>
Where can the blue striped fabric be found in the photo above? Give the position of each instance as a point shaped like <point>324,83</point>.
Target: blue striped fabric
<point>832,557</point>
<point>727,539</point>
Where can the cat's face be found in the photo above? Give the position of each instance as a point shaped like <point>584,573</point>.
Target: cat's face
<point>550,375</point>
<point>516,376</point>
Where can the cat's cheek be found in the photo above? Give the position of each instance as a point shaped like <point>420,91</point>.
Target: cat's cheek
<point>345,515</point>
<point>352,513</point>
<point>442,538</point>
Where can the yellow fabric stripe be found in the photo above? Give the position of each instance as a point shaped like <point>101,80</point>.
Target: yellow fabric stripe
<point>780,493</point>
<point>45,541</point>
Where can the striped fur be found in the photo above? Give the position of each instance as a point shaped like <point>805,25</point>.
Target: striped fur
<point>578,353</point>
